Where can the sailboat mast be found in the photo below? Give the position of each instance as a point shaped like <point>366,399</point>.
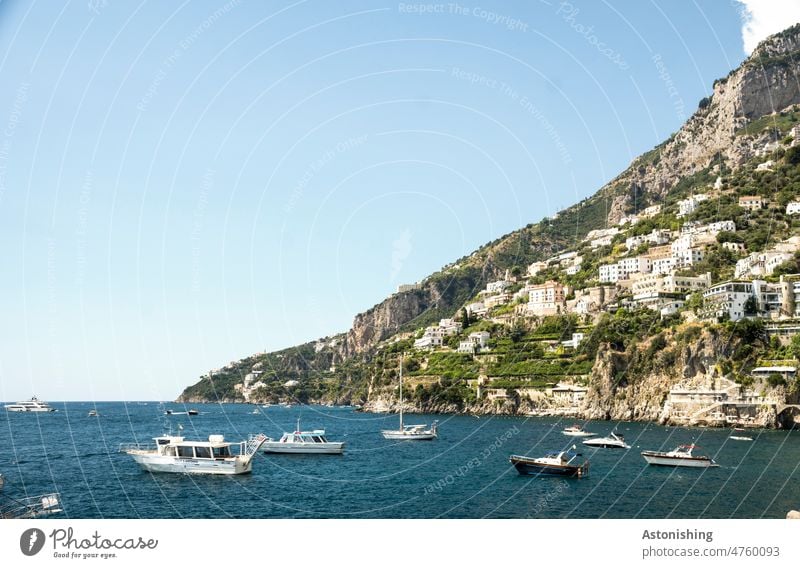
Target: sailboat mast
<point>401,391</point>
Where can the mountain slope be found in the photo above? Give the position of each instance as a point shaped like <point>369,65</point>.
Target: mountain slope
<point>726,131</point>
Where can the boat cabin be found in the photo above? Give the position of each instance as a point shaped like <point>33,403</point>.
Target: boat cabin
<point>311,437</point>
<point>215,448</point>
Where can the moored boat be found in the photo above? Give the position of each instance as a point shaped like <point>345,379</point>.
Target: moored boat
<point>564,463</point>
<point>576,430</point>
<point>174,454</point>
<point>613,440</point>
<point>32,405</point>
<point>681,456</point>
<point>300,442</point>
<point>413,431</point>
<point>741,438</point>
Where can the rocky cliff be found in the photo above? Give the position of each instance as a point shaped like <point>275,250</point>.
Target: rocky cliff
<point>764,84</point>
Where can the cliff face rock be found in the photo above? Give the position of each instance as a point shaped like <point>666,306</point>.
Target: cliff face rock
<point>386,318</point>
<point>622,388</point>
<point>765,83</point>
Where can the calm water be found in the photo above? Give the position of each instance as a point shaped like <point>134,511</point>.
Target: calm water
<point>463,474</point>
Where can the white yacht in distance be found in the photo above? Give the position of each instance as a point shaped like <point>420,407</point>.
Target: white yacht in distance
<point>173,454</point>
<point>613,440</point>
<point>32,405</point>
<point>299,442</point>
<point>410,432</point>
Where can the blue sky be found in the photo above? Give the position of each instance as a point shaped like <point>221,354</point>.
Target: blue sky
<point>185,184</point>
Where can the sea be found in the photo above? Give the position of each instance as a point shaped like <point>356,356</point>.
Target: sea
<point>465,473</point>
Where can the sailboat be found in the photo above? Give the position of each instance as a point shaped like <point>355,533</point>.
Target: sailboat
<point>410,431</point>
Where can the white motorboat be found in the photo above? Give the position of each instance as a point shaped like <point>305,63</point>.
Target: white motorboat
<point>741,438</point>
<point>680,456</point>
<point>613,440</point>
<point>32,405</point>
<point>576,430</point>
<point>414,431</point>
<point>174,454</point>
<point>299,442</point>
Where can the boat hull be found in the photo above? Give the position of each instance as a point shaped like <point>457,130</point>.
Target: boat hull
<point>400,435</point>
<point>17,409</point>
<point>606,443</point>
<point>532,467</point>
<point>653,458</point>
<point>329,448</point>
<point>169,464</point>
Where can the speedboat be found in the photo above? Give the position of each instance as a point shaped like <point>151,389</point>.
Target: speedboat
<point>32,405</point>
<point>299,442</point>
<point>680,456</point>
<point>613,440</point>
<point>92,413</point>
<point>561,463</point>
<point>741,438</point>
<point>174,454</point>
<point>193,412</point>
<point>414,431</point>
<point>576,430</point>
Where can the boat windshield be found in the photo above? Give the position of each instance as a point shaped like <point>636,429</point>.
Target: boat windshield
<point>222,452</point>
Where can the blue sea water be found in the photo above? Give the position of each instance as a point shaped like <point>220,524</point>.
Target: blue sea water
<point>463,474</point>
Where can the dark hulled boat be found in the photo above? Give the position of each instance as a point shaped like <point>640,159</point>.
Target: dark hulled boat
<point>562,463</point>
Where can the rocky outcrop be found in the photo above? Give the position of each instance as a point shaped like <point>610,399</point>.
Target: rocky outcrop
<point>765,83</point>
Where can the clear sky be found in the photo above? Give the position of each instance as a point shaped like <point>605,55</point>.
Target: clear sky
<point>184,184</point>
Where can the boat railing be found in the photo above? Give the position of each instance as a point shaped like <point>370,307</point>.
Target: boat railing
<point>30,507</point>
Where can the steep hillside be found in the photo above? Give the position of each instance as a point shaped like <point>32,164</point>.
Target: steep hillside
<point>745,122</point>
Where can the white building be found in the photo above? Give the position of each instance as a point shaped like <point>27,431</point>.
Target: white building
<point>624,268</point>
<point>450,326</point>
<point>751,202</point>
<point>477,309</point>
<point>760,263</point>
<point>601,237</point>
<point>793,208</point>
<point>575,341</point>
<point>655,237</point>
<point>497,287</point>
<point>730,298</point>
<point>648,284</point>
<point>687,206</point>
<point>688,258</point>
<point>735,247</point>
<point>651,211</point>
<point>546,299</point>
<point>536,267</point>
